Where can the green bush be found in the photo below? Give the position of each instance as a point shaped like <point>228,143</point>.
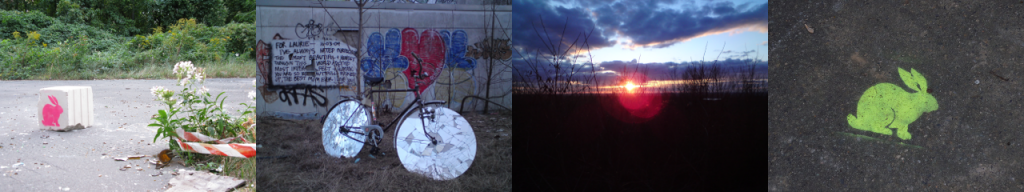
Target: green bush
<point>243,39</point>
<point>60,31</point>
<point>210,12</point>
<point>24,57</point>
<point>11,21</point>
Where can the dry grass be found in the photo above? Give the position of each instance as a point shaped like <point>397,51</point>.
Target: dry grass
<point>293,159</point>
<point>243,168</point>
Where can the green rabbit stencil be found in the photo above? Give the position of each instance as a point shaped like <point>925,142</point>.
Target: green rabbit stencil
<point>887,106</point>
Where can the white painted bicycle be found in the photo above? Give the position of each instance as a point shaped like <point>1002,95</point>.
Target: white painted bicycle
<point>430,139</point>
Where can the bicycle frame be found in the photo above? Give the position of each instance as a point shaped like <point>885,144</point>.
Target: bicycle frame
<point>416,102</point>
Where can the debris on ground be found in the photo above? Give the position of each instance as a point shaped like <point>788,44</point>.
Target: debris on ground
<point>68,128</point>
<point>126,167</point>
<point>809,29</point>
<point>133,157</point>
<point>203,181</point>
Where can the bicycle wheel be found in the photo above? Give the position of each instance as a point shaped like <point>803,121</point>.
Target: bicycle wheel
<point>352,116</point>
<point>449,157</point>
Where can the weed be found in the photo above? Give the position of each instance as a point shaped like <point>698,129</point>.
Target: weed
<point>194,109</point>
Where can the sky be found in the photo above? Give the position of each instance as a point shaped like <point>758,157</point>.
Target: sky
<point>657,32</point>
<point>652,30</point>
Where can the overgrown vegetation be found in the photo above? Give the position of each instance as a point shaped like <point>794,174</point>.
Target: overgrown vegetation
<point>194,108</point>
<point>136,17</point>
<point>75,39</point>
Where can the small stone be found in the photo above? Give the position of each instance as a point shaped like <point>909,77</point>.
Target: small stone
<point>976,81</point>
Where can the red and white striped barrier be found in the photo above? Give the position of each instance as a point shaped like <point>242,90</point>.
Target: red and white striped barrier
<point>193,143</point>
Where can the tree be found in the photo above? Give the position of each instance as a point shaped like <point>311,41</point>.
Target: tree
<point>209,12</point>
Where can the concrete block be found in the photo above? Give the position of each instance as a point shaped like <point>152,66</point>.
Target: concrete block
<point>394,19</point>
<point>423,19</point>
<point>472,20</point>
<point>346,18</point>
<point>268,33</point>
<point>65,107</point>
<point>285,16</point>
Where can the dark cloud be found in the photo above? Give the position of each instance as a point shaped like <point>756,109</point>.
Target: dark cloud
<point>528,15</point>
<point>611,72</point>
<point>649,24</point>
<point>542,69</point>
<point>670,70</point>
<point>740,54</point>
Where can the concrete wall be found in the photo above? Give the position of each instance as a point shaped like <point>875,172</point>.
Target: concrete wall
<point>299,40</point>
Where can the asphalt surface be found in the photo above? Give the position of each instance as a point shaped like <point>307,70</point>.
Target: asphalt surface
<point>970,52</point>
<point>82,160</point>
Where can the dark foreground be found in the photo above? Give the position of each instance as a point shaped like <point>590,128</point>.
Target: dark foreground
<point>591,143</point>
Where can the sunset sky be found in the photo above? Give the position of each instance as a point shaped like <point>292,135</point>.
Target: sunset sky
<point>657,32</point>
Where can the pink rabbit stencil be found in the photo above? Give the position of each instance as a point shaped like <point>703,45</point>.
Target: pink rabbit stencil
<point>51,113</point>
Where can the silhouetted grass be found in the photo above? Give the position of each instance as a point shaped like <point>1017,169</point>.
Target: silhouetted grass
<point>591,143</point>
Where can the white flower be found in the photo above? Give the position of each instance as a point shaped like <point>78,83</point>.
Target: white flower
<point>199,76</point>
<point>184,68</point>
<point>157,91</point>
<point>203,90</point>
<point>236,54</point>
<point>184,81</point>
<point>252,95</point>
<point>253,83</point>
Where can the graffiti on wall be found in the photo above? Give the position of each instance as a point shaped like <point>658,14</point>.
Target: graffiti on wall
<point>456,81</point>
<point>305,95</point>
<point>440,58</point>
<point>297,71</point>
<point>500,49</point>
<point>311,30</point>
<point>410,57</point>
<point>426,53</point>
<point>314,63</point>
<point>384,60</point>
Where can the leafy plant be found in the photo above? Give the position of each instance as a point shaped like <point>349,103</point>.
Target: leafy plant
<point>241,38</point>
<point>200,111</point>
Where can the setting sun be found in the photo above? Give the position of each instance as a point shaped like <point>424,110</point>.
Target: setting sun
<point>630,86</point>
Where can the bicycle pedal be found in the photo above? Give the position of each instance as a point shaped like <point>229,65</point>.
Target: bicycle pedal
<point>374,150</point>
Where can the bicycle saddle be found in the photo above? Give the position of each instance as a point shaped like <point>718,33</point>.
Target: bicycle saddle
<point>373,81</point>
